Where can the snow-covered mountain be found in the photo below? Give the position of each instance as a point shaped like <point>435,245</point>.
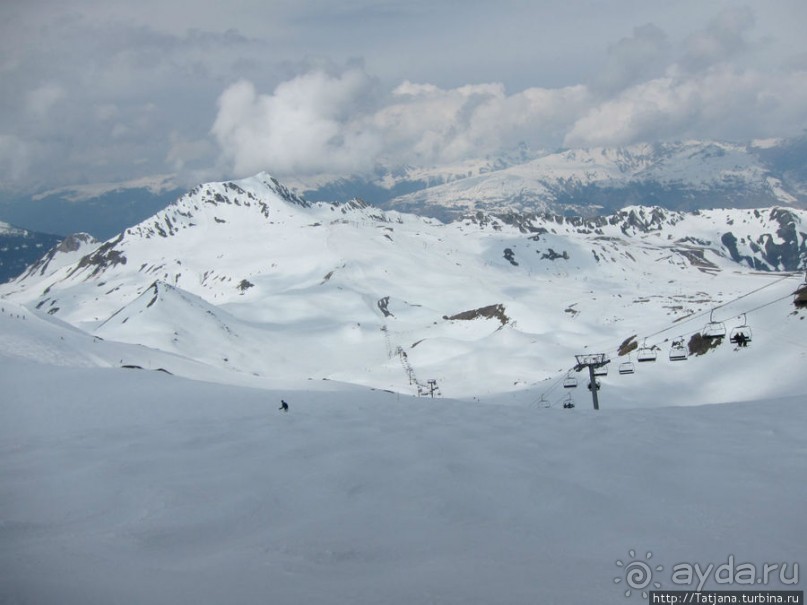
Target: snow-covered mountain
<point>686,175</point>
<point>69,250</point>
<point>251,279</point>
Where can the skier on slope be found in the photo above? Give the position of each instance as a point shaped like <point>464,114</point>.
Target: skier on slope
<point>284,406</point>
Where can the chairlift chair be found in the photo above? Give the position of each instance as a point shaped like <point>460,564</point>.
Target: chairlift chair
<point>568,403</point>
<point>678,351</point>
<point>626,367</point>
<point>741,335</point>
<point>570,382</point>
<point>601,370</point>
<point>645,353</point>
<point>714,329</point>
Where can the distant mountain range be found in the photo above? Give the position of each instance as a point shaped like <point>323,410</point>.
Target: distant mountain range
<point>688,175</point>
<point>102,210</point>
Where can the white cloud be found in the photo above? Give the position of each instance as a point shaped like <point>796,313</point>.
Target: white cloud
<point>307,124</point>
<point>707,93</point>
<point>320,123</point>
<point>722,103</point>
<point>546,74</point>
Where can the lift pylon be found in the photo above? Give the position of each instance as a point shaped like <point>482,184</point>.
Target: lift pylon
<point>597,366</point>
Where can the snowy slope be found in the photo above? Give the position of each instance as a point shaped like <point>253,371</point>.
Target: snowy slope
<point>139,487</point>
<point>252,280</point>
<point>31,336</point>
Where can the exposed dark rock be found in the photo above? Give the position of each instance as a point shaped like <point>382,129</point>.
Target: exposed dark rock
<point>628,345</point>
<point>383,305</point>
<point>552,255</point>
<point>729,240</point>
<point>698,345</point>
<point>696,258</point>
<point>489,312</point>
<point>788,255</point>
<point>73,242</point>
<point>105,257</point>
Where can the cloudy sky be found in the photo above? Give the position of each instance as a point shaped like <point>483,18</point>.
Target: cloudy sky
<point>111,90</point>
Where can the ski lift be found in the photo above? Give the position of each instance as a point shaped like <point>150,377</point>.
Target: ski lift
<point>568,403</point>
<point>678,351</point>
<point>714,329</point>
<point>626,367</point>
<point>570,382</point>
<point>601,370</point>
<point>645,353</point>
<point>741,335</point>
<point>543,402</point>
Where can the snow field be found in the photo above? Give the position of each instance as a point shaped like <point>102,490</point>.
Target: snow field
<point>133,486</point>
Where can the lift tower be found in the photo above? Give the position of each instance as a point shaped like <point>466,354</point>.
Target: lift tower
<point>597,364</point>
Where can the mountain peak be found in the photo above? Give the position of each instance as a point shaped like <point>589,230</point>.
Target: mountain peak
<point>75,242</point>
<point>219,203</point>
<point>277,187</point>
<point>63,254</point>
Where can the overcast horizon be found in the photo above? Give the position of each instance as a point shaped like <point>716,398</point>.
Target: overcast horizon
<point>97,91</point>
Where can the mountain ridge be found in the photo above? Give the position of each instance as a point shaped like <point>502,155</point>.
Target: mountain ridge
<point>19,248</point>
<point>249,277</point>
<point>685,175</point>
